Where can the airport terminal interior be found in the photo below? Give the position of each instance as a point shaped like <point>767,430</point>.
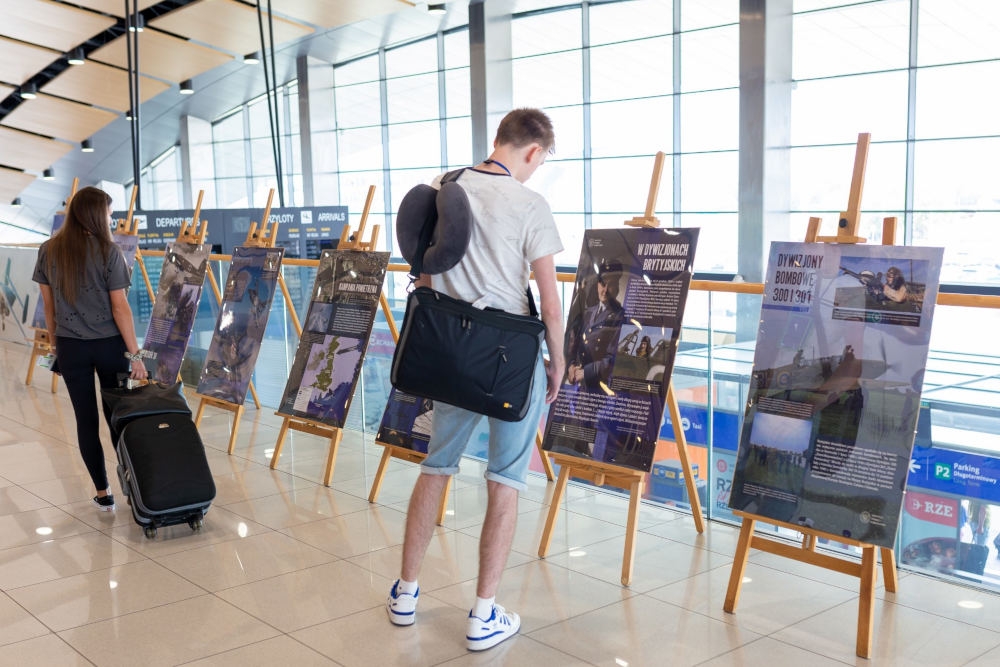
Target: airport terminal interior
<point>741,118</point>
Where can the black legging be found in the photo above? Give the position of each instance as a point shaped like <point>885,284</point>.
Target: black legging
<point>78,359</point>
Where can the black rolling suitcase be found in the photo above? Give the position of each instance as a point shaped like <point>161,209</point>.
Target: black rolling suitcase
<point>162,467</point>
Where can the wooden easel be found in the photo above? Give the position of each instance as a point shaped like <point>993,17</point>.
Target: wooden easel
<point>599,473</point>
<point>867,569</point>
<point>347,241</point>
<point>130,227</point>
<point>264,238</point>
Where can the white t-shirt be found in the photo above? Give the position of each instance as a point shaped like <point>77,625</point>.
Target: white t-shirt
<point>512,227</point>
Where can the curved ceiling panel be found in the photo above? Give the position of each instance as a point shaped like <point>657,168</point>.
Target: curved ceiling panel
<point>228,25</point>
<point>163,56</point>
<point>19,61</point>
<point>113,7</point>
<point>333,14</point>
<point>56,117</point>
<point>12,183</point>
<point>51,24</point>
<point>22,150</point>
<point>101,85</point>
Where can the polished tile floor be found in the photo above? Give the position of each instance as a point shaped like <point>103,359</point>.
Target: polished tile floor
<point>288,571</point>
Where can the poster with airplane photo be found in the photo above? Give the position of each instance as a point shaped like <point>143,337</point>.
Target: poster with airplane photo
<point>246,305</point>
<point>835,390</point>
<point>345,298</point>
<point>623,324</point>
<point>177,296</point>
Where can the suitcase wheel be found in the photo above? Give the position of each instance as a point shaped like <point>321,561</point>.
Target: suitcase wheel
<point>150,532</point>
<point>195,524</point>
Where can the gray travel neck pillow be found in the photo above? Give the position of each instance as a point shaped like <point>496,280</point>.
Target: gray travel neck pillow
<point>442,214</point>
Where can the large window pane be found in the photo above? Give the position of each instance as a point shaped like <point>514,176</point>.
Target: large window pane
<point>621,186</point>
<point>631,127</point>
<point>561,183</point>
<point>710,121</point>
<point>619,22</point>
<point>361,148</point>
<point>696,15</point>
<point>415,145</point>
<point>959,174</point>
<point>545,33</point>
<point>416,58</point>
<point>230,159</point>
<point>354,189</point>
<point>402,180</point>
<point>359,71</point>
<point>568,125</point>
<point>952,31</point>
<point>548,81</point>
<point>835,110</point>
<point>821,178</point>
<point>958,101</point>
<point>231,193</point>
<point>412,98</point>
<point>324,151</point>
<point>631,69</point>
<point>262,157</point>
<point>459,132</point>
<point>710,58</point>
<point>969,240</point>
<point>718,241</point>
<point>358,105</point>
<point>570,226</point>
<point>456,49</point>
<point>230,127</point>
<point>869,37</point>
<point>709,182</point>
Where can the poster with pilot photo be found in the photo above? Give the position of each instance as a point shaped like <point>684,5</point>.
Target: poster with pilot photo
<point>335,335</point>
<point>177,296</point>
<point>835,389</point>
<point>246,305</point>
<point>622,329</point>
<point>406,421</point>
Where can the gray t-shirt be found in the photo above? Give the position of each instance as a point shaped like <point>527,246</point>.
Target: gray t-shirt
<point>90,318</point>
<point>512,227</point>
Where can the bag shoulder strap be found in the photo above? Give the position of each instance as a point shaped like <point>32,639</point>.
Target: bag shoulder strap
<point>532,310</point>
<point>427,231</point>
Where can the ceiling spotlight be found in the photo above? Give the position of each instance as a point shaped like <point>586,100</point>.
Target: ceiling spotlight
<point>128,115</point>
<point>186,87</point>
<point>48,175</point>
<point>76,56</point>
<point>137,24</point>
<point>251,59</point>
<point>86,146</point>
<point>16,203</point>
<point>438,8</point>
<point>29,91</point>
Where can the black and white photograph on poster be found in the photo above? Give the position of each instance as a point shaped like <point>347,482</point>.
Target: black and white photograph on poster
<point>329,357</point>
<point>406,422</point>
<point>177,296</point>
<point>246,306</point>
<point>623,323</point>
<point>835,388</point>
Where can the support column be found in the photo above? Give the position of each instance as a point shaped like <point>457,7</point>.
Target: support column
<point>765,134</point>
<point>489,71</point>
<point>194,132</point>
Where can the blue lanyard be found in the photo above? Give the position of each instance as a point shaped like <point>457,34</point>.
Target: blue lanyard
<point>497,163</point>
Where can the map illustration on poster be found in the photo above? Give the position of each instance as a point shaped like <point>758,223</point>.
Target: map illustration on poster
<point>621,337</point>
<point>406,421</point>
<point>835,390</point>
<point>335,337</point>
<point>177,296</point>
<point>246,305</point>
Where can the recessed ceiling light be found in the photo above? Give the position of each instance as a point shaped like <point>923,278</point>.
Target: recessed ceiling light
<point>76,56</point>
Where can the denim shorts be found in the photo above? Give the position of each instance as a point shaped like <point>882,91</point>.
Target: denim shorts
<point>510,442</point>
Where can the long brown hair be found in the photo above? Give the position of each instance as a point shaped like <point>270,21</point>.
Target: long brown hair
<point>68,250</point>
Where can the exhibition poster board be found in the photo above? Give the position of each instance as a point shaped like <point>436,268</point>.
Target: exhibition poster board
<point>181,279</point>
<point>622,329</point>
<point>246,304</point>
<point>335,336</point>
<point>406,421</point>
<point>20,298</point>
<point>835,389</point>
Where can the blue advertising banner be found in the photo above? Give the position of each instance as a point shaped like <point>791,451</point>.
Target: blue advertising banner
<point>246,305</point>
<point>335,336</point>
<point>835,389</point>
<point>623,325</point>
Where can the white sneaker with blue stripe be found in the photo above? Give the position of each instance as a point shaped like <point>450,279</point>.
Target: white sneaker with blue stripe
<point>484,634</point>
<point>402,607</point>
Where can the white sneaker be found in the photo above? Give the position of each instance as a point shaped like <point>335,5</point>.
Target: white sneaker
<point>486,634</point>
<point>402,607</point>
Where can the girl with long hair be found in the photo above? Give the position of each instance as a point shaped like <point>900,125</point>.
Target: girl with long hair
<point>84,283</point>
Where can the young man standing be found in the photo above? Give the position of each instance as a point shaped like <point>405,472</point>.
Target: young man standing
<point>513,232</point>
